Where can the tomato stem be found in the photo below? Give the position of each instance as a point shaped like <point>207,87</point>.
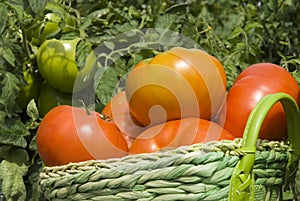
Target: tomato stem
<point>85,107</point>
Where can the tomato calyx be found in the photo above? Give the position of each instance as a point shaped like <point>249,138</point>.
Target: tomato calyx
<point>105,117</point>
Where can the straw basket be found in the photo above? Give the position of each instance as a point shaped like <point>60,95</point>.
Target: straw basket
<point>242,169</point>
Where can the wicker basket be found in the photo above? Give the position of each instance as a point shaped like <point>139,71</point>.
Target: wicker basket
<point>242,169</point>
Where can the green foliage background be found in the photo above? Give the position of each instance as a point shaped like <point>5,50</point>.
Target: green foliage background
<point>239,33</point>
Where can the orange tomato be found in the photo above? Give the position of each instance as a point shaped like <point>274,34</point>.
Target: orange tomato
<point>176,84</point>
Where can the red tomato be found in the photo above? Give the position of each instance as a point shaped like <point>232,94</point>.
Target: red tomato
<point>249,88</point>
<point>176,84</point>
<point>68,134</point>
<point>178,133</point>
<point>117,108</point>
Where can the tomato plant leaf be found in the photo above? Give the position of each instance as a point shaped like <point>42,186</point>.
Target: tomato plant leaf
<point>13,186</point>
<point>18,155</point>
<point>253,25</point>
<point>167,21</point>
<point>32,144</point>
<point>109,45</point>
<point>33,187</point>
<point>13,132</point>
<point>3,17</point>
<point>8,55</point>
<point>13,139</point>
<point>18,7</point>
<point>236,32</point>
<point>32,110</point>
<point>83,49</point>
<point>37,6</point>
<point>10,90</point>
<point>107,83</point>
<point>4,151</point>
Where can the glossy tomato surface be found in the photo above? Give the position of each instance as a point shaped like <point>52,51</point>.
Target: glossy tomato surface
<point>249,88</point>
<point>69,134</point>
<point>176,84</point>
<point>178,133</point>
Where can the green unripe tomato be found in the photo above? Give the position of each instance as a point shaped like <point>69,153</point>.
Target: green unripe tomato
<point>57,64</point>
<point>49,27</point>
<point>50,97</point>
<point>30,89</point>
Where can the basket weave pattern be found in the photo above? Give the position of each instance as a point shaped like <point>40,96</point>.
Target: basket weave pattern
<point>196,172</point>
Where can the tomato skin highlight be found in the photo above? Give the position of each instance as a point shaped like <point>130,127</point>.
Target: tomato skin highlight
<point>177,133</point>
<point>182,82</point>
<point>68,134</point>
<point>249,88</point>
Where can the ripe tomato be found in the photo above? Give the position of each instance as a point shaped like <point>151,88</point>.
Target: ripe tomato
<point>249,88</point>
<point>57,64</point>
<point>178,133</point>
<point>50,97</point>
<point>68,134</point>
<point>117,108</point>
<point>176,84</point>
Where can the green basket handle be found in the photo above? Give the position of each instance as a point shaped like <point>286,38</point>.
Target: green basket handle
<point>242,179</point>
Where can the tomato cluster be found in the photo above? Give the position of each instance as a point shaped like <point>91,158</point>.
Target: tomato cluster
<point>59,74</point>
<point>170,100</point>
<point>155,111</point>
<point>174,99</point>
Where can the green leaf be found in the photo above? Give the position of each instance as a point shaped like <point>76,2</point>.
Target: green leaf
<point>9,92</point>
<point>296,61</point>
<point>12,132</point>
<point>109,45</point>
<point>253,25</point>
<point>37,6</point>
<point>13,139</point>
<point>236,32</point>
<point>3,17</point>
<point>240,47</point>
<point>32,110</point>
<point>2,116</point>
<point>83,49</point>
<point>18,7</point>
<point>8,55</point>
<point>108,82</point>
<point>166,21</point>
<point>32,185</point>
<point>32,144</point>
<point>4,151</point>
<point>18,156</point>
<point>13,186</point>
